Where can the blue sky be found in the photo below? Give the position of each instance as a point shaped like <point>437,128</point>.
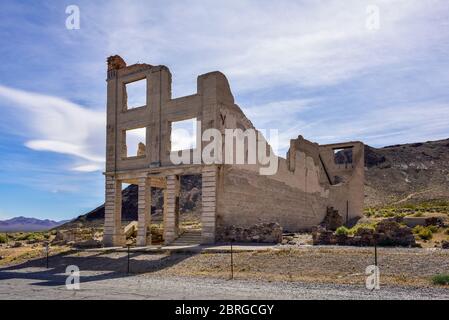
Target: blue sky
<point>303,67</point>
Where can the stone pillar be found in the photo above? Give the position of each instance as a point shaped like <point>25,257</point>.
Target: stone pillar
<point>171,209</point>
<point>144,212</point>
<point>113,232</point>
<point>209,205</point>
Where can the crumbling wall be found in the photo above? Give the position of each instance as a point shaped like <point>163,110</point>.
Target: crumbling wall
<point>346,193</point>
<point>247,198</point>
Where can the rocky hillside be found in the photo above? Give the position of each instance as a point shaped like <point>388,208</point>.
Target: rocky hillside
<point>394,175</point>
<point>407,173</point>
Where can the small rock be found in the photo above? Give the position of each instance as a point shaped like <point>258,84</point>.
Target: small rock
<point>445,244</point>
<point>434,221</point>
<point>332,220</point>
<point>88,244</point>
<point>17,244</point>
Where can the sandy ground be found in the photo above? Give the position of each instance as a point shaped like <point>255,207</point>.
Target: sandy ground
<point>42,284</point>
<point>311,272</point>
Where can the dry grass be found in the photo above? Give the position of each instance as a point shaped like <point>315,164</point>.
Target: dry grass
<point>22,254</point>
<point>411,267</point>
<point>341,265</point>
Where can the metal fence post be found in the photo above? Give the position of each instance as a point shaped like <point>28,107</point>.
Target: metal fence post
<point>127,270</point>
<point>375,252</point>
<point>232,262</point>
<point>46,250</point>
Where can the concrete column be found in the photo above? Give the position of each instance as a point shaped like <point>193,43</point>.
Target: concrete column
<point>144,212</point>
<point>171,209</point>
<point>209,204</point>
<point>113,232</point>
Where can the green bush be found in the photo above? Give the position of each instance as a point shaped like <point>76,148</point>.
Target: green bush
<point>441,279</point>
<point>342,231</point>
<point>417,229</point>
<point>389,214</point>
<point>30,236</point>
<point>355,228</point>
<point>424,233</point>
<point>3,238</point>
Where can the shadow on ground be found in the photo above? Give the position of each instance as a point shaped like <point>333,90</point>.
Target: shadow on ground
<point>93,267</point>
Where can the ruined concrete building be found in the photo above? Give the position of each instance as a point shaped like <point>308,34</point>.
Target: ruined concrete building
<point>307,183</point>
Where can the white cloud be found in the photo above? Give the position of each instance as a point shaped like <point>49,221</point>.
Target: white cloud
<point>58,125</point>
<point>386,125</point>
<point>260,44</point>
<point>88,167</point>
<point>257,44</point>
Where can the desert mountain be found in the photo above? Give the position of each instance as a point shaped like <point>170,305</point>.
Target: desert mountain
<point>28,224</point>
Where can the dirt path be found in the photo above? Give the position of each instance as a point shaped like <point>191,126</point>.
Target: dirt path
<point>37,283</point>
<point>315,272</point>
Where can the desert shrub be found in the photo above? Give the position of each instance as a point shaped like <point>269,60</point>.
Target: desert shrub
<point>342,231</point>
<point>370,212</point>
<point>417,214</point>
<point>3,238</point>
<point>21,236</point>
<point>389,214</point>
<point>424,233</point>
<point>30,236</point>
<point>355,228</point>
<point>434,229</point>
<point>441,279</point>
<point>417,229</point>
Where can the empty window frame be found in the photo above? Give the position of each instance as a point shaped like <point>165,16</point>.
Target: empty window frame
<point>134,145</point>
<point>343,155</point>
<point>183,135</point>
<point>136,94</point>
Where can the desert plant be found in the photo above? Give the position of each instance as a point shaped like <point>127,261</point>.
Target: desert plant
<point>417,229</point>
<point>342,231</point>
<point>30,236</point>
<point>355,228</point>
<point>441,279</point>
<point>424,233</point>
<point>3,238</point>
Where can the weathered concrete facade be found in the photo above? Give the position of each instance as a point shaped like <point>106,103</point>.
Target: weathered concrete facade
<point>311,178</point>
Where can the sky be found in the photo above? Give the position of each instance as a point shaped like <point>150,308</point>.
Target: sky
<point>332,71</point>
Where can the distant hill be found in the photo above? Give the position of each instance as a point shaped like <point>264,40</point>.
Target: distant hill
<point>396,174</point>
<point>407,173</point>
<point>22,224</point>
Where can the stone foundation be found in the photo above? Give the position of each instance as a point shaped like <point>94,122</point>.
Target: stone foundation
<point>386,233</point>
<point>260,233</point>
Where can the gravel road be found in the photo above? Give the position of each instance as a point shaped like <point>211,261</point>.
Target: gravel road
<point>39,283</point>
